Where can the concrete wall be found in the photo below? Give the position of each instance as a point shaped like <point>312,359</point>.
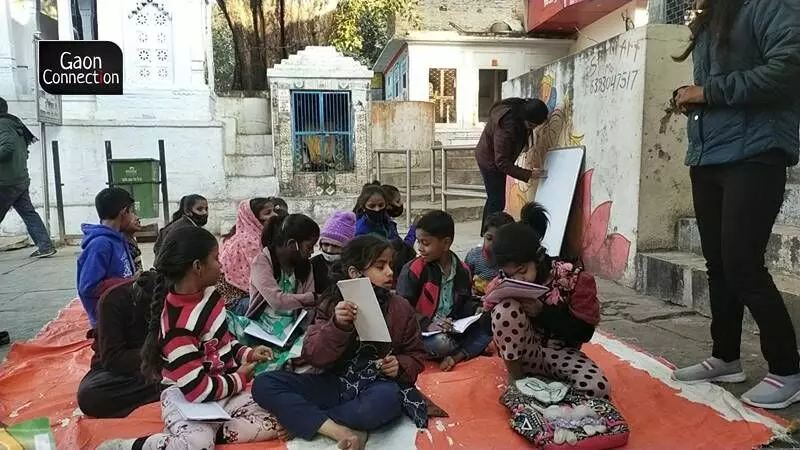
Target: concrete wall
<point>607,98</point>
<point>611,25</point>
<point>399,126</point>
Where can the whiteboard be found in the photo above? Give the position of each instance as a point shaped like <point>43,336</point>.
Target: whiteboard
<point>555,193</point>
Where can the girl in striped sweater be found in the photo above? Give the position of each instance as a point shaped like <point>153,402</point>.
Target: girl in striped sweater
<point>189,348</point>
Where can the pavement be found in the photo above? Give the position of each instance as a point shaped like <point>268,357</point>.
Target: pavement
<point>33,291</point>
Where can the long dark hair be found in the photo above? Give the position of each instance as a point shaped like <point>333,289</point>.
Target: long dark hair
<point>519,243</point>
<point>186,204</point>
<point>360,253</point>
<point>367,192</point>
<point>282,229</point>
<point>523,110</point>
<point>175,257</point>
<point>715,17</point>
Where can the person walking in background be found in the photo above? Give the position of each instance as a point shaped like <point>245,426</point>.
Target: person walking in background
<point>505,135</point>
<point>744,113</point>
<point>15,138</point>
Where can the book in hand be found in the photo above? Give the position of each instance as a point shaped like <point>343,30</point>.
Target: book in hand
<point>534,290</point>
<point>204,412</point>
<point>459,326</point>
<point>280,339</point>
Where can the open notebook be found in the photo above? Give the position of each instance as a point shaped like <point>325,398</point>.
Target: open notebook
<point>459,326</point>
<point>253,329</point>
<point>205,412</point>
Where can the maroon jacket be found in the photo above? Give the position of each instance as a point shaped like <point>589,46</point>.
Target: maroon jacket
<point>501,143</point>
<point>326,345</point>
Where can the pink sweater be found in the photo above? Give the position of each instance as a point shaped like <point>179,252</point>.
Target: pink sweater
<point>264,290</point>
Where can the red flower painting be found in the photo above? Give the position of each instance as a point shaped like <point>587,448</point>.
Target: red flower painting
<point>603,254</point>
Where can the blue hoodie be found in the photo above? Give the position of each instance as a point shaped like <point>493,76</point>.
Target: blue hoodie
<point>386,228</point>
<point>105,255</point>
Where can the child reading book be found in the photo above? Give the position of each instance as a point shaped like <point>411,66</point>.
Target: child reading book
<point>539,330</point>
<point>364,385</point>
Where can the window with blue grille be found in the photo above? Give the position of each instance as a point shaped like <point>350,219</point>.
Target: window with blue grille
<point>322,131</point>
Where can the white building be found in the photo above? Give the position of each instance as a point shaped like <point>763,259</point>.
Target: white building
<point>217,147</point>
<point>461,74</point>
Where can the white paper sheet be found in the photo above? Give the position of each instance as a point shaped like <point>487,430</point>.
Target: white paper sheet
<point>206,411</point>
<point>370,324</point>
<point>459,326</point>
<point>256,331</point>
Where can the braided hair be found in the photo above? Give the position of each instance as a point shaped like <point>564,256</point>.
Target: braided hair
<point>181,248</point>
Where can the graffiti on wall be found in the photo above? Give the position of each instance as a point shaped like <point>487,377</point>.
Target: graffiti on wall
<point>605,254</point>
<point>556,132</point>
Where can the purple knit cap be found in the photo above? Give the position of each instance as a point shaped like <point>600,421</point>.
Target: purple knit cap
<point>339,229</point>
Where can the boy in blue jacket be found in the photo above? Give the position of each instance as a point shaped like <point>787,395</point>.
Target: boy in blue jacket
<point>105,254</point>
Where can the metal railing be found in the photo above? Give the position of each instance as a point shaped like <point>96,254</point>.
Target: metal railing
<point>461,190</point>
<point>384,151</point>
<point>445,189</point>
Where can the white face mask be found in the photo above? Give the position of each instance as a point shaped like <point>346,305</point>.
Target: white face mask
<point>330,257</point>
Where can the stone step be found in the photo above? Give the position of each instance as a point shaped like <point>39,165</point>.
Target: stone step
<point>680,278</point>
<point>462,210</point>
<point>790,212</point>
<point>783,249</point>
<point>421,177</point>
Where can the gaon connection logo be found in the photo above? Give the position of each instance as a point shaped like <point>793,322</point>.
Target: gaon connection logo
<point>80,67</point>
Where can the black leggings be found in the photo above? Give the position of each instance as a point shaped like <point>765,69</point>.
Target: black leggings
<point>495,184</point>
<point>104,394</point>
<point>736,205</point>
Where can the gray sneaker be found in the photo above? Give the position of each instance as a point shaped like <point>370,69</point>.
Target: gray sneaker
<point>712,369</point>
<point>774,392</point>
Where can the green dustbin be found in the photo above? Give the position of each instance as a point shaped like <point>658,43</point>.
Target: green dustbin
<point>141,178</point>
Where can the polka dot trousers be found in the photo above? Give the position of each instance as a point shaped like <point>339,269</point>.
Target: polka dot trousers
<point>516,340</point>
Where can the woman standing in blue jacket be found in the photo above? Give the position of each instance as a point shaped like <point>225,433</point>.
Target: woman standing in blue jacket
<point>744,117</point>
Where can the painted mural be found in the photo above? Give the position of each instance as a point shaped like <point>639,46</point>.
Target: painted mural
<point>587,234</point>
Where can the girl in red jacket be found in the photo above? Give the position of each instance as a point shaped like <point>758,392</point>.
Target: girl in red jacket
<point>541,335</point>
<point>363,385</point>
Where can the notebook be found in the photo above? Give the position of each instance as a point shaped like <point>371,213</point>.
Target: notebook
<point>536,290</point>
<point>205,412</point>
<point>253,329</point>
<point>459,326</point>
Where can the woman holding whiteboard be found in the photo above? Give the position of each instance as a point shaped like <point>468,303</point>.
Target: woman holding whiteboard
<point>505,135</point>
<point>744,113</point>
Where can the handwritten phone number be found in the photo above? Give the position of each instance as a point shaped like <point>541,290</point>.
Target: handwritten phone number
<point>615,82</point>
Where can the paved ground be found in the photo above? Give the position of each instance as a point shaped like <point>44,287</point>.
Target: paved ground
<point>33,291</point>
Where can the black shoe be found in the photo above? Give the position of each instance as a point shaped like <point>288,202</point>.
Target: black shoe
<point>44,253</point>
<point>5,339</point>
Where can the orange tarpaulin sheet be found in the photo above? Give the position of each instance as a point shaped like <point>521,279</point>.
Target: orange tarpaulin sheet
<point>40,378</point>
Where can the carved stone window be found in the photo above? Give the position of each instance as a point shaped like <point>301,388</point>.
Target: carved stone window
<point>149,44</point>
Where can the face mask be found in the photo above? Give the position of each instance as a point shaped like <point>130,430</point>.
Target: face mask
<point>331,257</point>
<point>200,220</point>
<point>395,211</point>
<point>375,216</point>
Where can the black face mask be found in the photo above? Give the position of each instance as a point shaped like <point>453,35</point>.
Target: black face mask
<point>198,219</point>
<point>395,211</point>
<point>375,216</point>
